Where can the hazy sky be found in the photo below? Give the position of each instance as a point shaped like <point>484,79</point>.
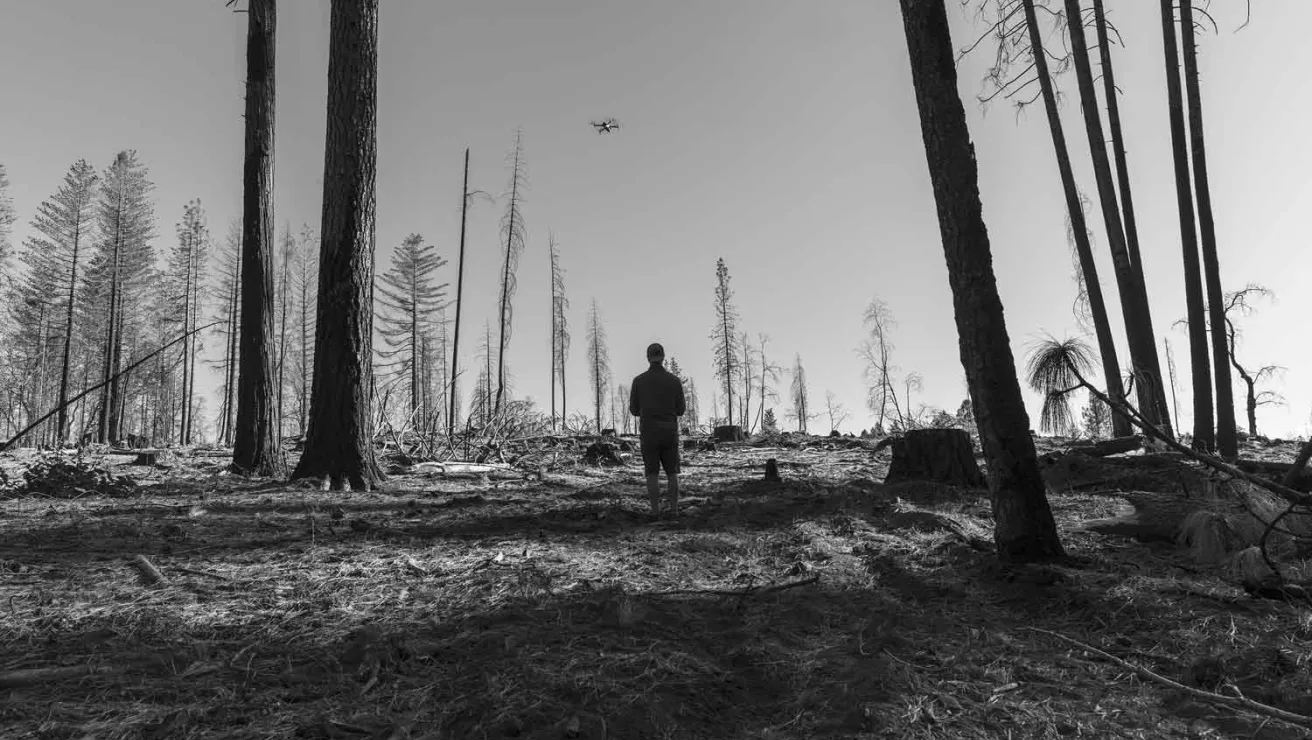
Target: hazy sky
<point>781,135</point>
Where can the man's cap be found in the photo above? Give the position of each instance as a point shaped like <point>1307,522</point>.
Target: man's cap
<point>655,350</point>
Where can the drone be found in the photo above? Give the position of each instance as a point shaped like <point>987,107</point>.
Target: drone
<point>606,126</point>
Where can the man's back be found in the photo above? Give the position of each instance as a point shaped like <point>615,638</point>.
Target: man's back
<point>656,396</point>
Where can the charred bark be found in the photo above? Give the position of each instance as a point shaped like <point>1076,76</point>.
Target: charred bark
<point>254,448</point>
<point>1204,436</point>
<point>1111,366</point>
<point>339,442</point>
<point>1024,525</point>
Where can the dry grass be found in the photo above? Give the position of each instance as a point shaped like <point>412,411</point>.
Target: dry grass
<point>558,609</point>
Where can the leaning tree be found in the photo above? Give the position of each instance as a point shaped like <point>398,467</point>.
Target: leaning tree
<point>1024,528</point>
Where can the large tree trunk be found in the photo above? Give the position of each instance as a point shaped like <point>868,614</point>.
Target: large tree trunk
<point>254,448</point>
<point>1111,366</point>
<point>1024,526</point>
<point>1227,443</point>
<point>1151,390</point>
<point>339,443</point>
<point>1204,438</point>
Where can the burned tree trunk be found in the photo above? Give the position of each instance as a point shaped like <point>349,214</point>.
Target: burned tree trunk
<point>254,448</point>
<point>1024,526</point>
<point>940,455</point>
<point>339,441</point>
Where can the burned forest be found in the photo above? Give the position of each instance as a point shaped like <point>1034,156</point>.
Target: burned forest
<point>345,369</point>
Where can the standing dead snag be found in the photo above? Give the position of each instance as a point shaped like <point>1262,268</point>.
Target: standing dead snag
<point>1024,528</point>
<point>254,447</point>
<point>339,441</point>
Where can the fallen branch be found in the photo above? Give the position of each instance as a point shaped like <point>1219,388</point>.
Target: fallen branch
<point>1239,701</point>
<point>31,676</point>
<point>749,591</point>
<point>149,573</point>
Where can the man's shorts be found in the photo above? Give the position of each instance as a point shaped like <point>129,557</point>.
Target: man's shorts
<point>660,449</point>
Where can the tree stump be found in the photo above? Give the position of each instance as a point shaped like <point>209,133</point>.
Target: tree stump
<point>940,455</point>
<point>153,458</point>
<point>772,471</point>
<point>729,433</point>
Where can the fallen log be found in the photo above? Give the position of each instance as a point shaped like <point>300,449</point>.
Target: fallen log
<point>1105,447</point>
<point>1277,471</point>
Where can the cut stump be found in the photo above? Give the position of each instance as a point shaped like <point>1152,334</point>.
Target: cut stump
<point>153,458</point>
<point>940,455</point>
<point>729,433</point>
<point>772,471</point>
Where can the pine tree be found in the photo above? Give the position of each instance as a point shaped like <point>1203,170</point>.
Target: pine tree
<point>305,280</point>
<point>186,295</point>
<point>409,298</point>
<point>65,226</point>
<point>598,361</point>
<point>724,338</point>
<point>559,332</point>
<point>6,219</point>
<point>512,235</point>
<point>801,409</point>
<point>118,275</point>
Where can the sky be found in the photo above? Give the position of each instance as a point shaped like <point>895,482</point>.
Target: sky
<point>780,135</point>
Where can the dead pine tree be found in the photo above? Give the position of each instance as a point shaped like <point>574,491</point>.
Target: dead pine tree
<point>724,337</point>
<point>339,442</point>
<point>1239,301</point>
<point>64,225</point>
<point>598,362</point>
<point>798,393</point>
<point>255,449</point>
<point>1024,526</point>
<point>559,331</point>
<point>512,235</point>
<point>1227,443</point>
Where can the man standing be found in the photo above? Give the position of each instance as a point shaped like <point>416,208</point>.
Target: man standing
<point>656,398</point>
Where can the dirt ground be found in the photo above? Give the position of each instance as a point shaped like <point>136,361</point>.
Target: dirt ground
<point>520,605</point>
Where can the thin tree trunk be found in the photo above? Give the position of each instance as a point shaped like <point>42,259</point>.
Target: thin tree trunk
<point>230,367</point>
<point>1024,525</point>
<point>552,274</point>
<point>255,449</point>
<point>186,346</point>
<point>66,363</point>
<point>460,287</point>
<point>1079,229</point>
<point>1118,146</point>
<point>1204,437</point>
<point>339,444</point>
<point>1227,443</point>
<point>1134,302</point>
<point>284,278</point>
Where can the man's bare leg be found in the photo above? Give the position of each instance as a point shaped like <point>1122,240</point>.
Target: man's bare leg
<point>673,494</point>
<point>654,493</point>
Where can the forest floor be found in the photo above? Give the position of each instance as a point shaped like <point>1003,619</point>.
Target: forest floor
<point>524,606</point>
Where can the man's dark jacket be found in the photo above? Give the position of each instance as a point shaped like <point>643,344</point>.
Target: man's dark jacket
<point>656,398</point>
